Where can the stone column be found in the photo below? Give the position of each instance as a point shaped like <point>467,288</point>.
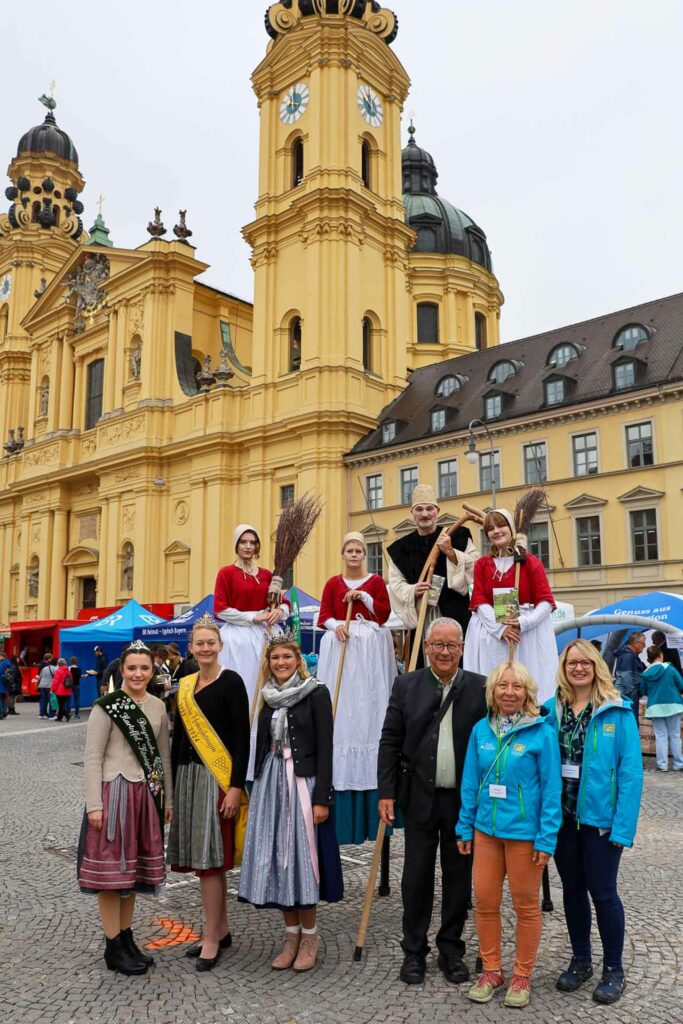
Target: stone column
<point>60,542</point>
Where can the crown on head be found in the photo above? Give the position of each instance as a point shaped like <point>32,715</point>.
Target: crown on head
<point>138,647</point>
<point>285,636</point>
<point>206,622</point>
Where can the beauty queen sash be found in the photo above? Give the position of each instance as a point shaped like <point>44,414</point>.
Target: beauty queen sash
<point>212,752</point>
<point>138,733</point>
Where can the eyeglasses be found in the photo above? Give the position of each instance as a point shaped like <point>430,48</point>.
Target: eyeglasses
<point>437,646</point>
<point>578,664</point>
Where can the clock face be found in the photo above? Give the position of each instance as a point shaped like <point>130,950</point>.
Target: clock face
<point>5,287</point>
<point>294,103</point>
<point>370,105</point>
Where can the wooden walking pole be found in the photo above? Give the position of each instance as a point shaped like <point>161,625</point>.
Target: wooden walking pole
<point>425,575</point>
<point>340,669</point>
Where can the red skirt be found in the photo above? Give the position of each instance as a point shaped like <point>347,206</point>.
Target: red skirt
<point>133,859</point>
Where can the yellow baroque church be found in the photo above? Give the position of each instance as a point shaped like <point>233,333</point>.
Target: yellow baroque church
<point>145,413</point>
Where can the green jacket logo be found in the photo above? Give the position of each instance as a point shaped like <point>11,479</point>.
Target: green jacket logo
<point>608,729</point>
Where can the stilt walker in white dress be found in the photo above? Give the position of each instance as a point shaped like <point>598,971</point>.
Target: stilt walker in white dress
<point>487,640</point>
<point>241,604</point>
<point>368,675</point>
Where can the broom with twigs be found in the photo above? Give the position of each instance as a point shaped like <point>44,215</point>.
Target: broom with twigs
<point>295,526</point>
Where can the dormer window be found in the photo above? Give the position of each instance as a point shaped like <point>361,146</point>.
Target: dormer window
<point>502,370</point>
<point>493,407</point>
<point>562,354</point>
<point>447,385</point>
<point>554,392</point>
<point>438,420</point>
<point>624,374</point>
<point>388,432</point>
<point>630,336</point>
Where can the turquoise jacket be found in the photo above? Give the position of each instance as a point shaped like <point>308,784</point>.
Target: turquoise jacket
<point>663,686</point>
<point>612,769</point>
<point>526,760</point>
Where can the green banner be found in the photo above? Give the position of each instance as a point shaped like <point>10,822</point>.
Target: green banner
<point>296,617</point>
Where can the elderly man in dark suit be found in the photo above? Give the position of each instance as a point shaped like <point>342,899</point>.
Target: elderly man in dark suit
<point>427,727</point>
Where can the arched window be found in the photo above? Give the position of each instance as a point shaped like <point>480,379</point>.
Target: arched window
<point>447,385</point>
<point>366,163</point>
<point>127,566</point>
<point>562,354</point>
<point>367,343</point>
<point>33,577</point>
<point>295,344</point>
<point>630,336</point>
<point>502,370</point>
<point>55,214</point>
<point>4,322</point>
<point>428,323</point>
<point>297,162</point>
<point>480,331</point>
<point>94,392</point>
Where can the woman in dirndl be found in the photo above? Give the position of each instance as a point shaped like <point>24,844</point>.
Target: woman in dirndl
<point>209,755</point>
<point>368,675</point>
<point>128,798</point>
<point>241,605</point>
<point>291,858</point>
<point>487,640</point>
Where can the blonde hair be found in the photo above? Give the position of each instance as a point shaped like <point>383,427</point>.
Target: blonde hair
<point>264,672</point>
<point>603,688</point>
<point>199,624</point>
<point>523,676</point>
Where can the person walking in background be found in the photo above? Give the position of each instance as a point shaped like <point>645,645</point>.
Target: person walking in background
<point>5,665</point>
<point>47,674</point>
<point>61,687</point>
<point>628,670</point>
<point>76,686</point>
<point>602,781</point>
<point>100,668</point>
<point>663,686</point>
<point>511,812</point>
<point>13,681</point>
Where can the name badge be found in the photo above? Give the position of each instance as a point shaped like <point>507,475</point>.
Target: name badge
<point>500,792</point>
<point>571,771</point>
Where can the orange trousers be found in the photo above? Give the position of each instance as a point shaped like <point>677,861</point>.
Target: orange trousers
<point>494,859</point>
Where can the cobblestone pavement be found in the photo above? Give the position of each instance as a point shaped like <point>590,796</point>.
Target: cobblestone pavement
<point>52,969</point>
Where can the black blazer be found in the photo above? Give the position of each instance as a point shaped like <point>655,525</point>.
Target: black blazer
<point>414,703</point>
<point>310,727</point>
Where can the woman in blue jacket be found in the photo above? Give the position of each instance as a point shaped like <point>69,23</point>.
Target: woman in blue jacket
<point>662,684</point>
<point>602,780</point>
<point>510,796</point>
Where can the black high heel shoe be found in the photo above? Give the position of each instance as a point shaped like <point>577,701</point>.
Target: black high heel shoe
<point>194,951</point>
<point>204,964</point>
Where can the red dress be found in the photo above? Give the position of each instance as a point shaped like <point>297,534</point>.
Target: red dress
<point>533,582</point>
<point>332,605</point>
<point>237,589</point>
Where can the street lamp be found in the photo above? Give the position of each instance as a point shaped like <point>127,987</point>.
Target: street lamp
<point>473,455</point>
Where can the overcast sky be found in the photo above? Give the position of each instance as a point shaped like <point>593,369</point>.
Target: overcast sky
<point>556,126</point>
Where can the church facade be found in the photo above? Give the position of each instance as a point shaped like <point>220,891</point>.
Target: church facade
<point>145,413</point>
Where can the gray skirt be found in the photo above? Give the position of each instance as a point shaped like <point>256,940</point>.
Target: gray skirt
<point>195,841</point>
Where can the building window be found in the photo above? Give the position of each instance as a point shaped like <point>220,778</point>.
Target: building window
<point>448,478</point>
<point>624,375</point>
<point>588,540</point>
<point>644,535</point>
<point>297,162</point>
<point>409,481</point>
<point>374,486</point>
<point>438,420</point>
<point>295,345</point>
<point>366,164</point>
<point>388,432</point>
<point>489,470</point>
<point>428,323</point>
<point>286,495</point>
<point>480,331</point>
<point>94,391</point>
<point>367,343</point>
<point>88,592</point>
<point>535,463</point>
<point>629,337</point>
<point>4,321</point>
<point>539,542</point>
<point>447,385</point>
<point>502,370</point>
<point>554,392</point>
<point>493,407</point>
<point>426,240</point>
<point>585,450</point>
<point>639,450</point>
<point>561,355</point>
<point>127,567</point>
<point>375,558</point>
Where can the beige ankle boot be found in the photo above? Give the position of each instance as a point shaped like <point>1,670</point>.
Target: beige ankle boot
<point>287,954</point>
<point>308,952</point>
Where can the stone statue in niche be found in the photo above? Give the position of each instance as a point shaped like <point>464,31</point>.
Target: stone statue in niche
<point>135,362</point>
<point>44,399</point>
<point>127,568</point>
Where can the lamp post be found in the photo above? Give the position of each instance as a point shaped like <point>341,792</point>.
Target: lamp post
<point>473,455</point>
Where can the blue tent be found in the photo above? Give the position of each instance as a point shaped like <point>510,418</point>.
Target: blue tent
<point>656,605</point>
<point>178,629</point>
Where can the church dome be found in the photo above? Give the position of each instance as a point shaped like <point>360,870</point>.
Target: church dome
<point>48,138</point>
<point>440,226</point>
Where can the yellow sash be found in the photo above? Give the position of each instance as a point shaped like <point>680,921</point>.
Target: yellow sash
<point>213,753</point>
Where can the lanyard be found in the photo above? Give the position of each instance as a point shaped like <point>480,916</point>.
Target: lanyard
<point>565,716</point>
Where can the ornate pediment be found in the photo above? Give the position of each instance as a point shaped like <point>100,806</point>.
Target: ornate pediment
<point>81,554</point>
<point>404,527</point>
<point>586,501</point>
<point>177,547</point>
<point>640,494</point>
<point>374,533</point>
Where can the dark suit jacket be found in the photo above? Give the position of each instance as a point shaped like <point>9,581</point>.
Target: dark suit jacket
<point>310,728</point>
<point>414,703</point>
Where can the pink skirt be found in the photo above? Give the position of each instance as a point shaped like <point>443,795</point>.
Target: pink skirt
<point>127,854</point>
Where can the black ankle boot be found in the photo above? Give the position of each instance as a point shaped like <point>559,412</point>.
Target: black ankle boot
<point>117,958</point>
<point>134,950</point>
